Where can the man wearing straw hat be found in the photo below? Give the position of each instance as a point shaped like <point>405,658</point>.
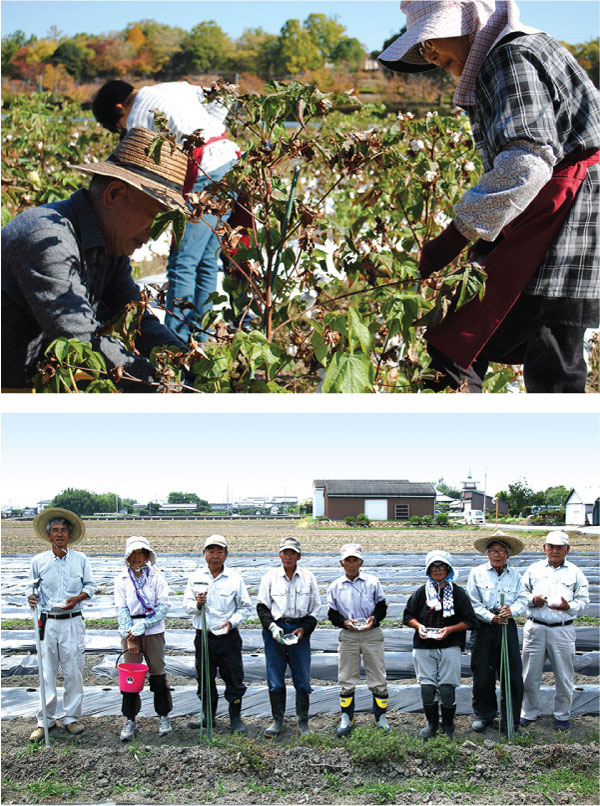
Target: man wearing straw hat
<point>66,269</point>
<point>557,591</point>
<point>64,579</point>
<point>497,595</point>
<point>219,593</point>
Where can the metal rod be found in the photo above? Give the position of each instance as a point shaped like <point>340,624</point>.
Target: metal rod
<point>38,647</point>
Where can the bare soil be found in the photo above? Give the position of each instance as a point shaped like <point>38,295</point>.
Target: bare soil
<point>541,766</point>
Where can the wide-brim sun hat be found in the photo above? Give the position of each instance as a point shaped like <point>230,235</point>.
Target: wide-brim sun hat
<point>41,521</point>
<point>438,556</point>
<point>424,20</point>
<point>136,542</point>
<point>129,162</point>
<point>513,544</point>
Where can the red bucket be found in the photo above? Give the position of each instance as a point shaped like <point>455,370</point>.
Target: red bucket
<point>132,676</point>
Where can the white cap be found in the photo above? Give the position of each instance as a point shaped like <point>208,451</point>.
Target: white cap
<point>438,556</point>
<point>351,550</point>
<point>215,540</point>
<point>557,538</point>
<point>134,543</point>
<point>290,543</point>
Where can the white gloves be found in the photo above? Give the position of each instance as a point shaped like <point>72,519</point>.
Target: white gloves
<point>276,632</point>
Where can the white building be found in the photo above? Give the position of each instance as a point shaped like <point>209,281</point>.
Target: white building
<point>579,506</point>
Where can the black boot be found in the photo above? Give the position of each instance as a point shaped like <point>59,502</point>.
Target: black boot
<point>347,707</point>
<point>235,718</point>
<point>163,699</point>
<point>448,712</point>
<point>431,714</point>
<point>277,699</point>
<point>302,705</point>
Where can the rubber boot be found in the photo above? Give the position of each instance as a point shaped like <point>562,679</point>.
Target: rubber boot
<point>235,719</point>
<point>380,705</point>
<point>277,699</point>
<point>448,712</point>
<point>347,707</point>
<point>302,705</point>
<point>431,714</point>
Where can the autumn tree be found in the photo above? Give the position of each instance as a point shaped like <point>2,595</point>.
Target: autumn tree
<point>205,49</point>
<point>325,32</point>
<point>254,52</point>
<point>297,50</point>
<point>350,52</point>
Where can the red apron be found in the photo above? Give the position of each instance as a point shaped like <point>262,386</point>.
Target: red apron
<point>195,160</point>
<point>462,334</point>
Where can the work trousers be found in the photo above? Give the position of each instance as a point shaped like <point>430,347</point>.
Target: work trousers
<point>437,667</point>
<point>153,653</point>
<point>63,647</point>
<point>558,645</point>
<point>278,657</point>
<point>486,645</point>
<point>224,654</point>
<point>551,355</point>
<point>369,644</point>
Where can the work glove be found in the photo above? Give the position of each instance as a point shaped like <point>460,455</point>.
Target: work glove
<point>442,250</point>
<point>276,632</point>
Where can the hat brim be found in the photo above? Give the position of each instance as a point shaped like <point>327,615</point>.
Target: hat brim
<point>515,546</point>
<point>293,548</point>
<point>139,547</point>
<point>169,198</point>
<point>41,521</point>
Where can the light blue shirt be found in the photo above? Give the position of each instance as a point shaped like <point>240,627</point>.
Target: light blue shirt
<point>227,598</point>
<point>61,577</point>
<point>567,581</point>
<point>485,588</point>
<point>356,598</point>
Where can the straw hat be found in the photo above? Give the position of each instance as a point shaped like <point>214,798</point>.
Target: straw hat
<point>41,521</point>
<point>513,544</point>
<point>130,162</point>
<point>134,543</point>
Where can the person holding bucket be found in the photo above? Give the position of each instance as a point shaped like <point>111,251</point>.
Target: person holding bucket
<point>142,601</point>
<point>497,595</point>
<point>440,612</point>
<point>62,578</point>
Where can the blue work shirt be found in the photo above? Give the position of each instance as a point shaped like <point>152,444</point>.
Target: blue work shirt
<point>61,577</point>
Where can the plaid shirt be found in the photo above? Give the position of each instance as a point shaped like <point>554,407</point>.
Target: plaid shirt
<point>531,88</point>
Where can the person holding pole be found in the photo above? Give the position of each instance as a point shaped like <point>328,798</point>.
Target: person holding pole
<point>59,580</point>
<point>497,595</point>
<point>288,606</point>
<point>357,605</point>
<point>558,593</point>
<point>141,602</point>
<point>217,598</point>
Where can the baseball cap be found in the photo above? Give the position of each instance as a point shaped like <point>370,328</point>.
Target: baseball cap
<point>557,538</point>
<point>351,550</point>
<point>215,540</point>
<point>290,543</point>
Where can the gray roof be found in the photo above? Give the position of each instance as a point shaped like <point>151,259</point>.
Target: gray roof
<point>376,488</point>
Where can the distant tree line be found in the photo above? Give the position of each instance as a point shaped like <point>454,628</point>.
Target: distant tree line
<point>151,49</point>
<point>84,502</point>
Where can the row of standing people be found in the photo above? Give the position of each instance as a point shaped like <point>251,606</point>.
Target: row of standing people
<point>552,591</point>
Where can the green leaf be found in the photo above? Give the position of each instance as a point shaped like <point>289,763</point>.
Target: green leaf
<point>349,374</point>
<point>357,330</point>
<point>153,150</point>
<point>320,347</point>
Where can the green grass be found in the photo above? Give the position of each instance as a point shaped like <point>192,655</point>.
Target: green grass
<point>372,746</point>
<point>117,789</point>
<point>564,780</point>
<point>47,787</point>
<point>319,740</point>
<point>249,754</point>
<point>449,788</point>
<point>260,789</point>
<point>378,791</point>
<point>334,782</point>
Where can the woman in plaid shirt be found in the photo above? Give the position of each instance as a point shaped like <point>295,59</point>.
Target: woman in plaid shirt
<point>535,117</point>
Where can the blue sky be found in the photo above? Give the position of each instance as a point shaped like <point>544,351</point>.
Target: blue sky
<point>146,456</point>
<point>370,21</point>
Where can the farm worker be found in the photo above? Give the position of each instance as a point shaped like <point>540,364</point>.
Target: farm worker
<point>222,592</point>
<point>288,604</point>
<point>497,595</point>
<point>65,580</point>
<point>141,602</point>
<point>535,119</point>
<point>557,591</point>
<point>66,269</point>
<point>440,612</point>
<point>352,598</point>
<point>192,268</point>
